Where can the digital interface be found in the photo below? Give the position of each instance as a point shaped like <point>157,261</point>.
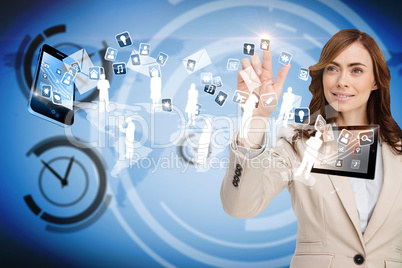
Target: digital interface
<point>54,83</point>
<point>350,150</point>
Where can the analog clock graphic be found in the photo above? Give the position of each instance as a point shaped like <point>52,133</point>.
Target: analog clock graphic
<point>71,187</point>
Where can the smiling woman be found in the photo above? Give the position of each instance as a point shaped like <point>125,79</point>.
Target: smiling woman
<point>361,223</point>
<point>353,77</point>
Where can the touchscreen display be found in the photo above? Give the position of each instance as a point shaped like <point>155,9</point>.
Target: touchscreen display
<point>54,86</point>
<point>349,150</point>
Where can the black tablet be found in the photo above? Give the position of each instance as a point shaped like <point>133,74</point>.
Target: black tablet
<point>348,151</point>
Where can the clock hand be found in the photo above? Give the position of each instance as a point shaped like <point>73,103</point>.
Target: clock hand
<point>53,171</point>
<point>68,171</point>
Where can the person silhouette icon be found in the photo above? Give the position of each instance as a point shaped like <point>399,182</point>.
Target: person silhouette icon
<point>144,50</point>
<point>111,55</point>
<point>310,155</point>
<point>67,81</point>
<point>345,139</point>
<point>103,85</point>
<point>155,86</point>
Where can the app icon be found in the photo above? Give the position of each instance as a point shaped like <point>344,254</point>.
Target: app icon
<point>345,137</point>
<point>285,58</point>
<point>248,49</point>
<point>162,58</point>
<point>301,114</point>
<point>145,49</point>
<point>355,164</point>
<point>154,70</point>
<point>264,44</point>
<point>94,73</point>
<point>342,149</point>
<point>67,79</point>
<point>366,137</point>
<point>111,54</point>
<point>56,98</point>
<point>232,64</point>
<point>167,105</point>
<point>190,65</point>
<point>339,163</point>
<point>240,96</point>
<point>135,59</point>
<point>46,89</point>
<point>75,66</point>
<point>320,124</point>
<point>269,100</point>
<point>206,78</point>
<point>119,68</point>
<point>44,75</point>
<point>217,81</point>
<point>45,65</point>
<point>303,73</point>
<point>210,89</point>
<point>221,98</point>
<point>124,39</point>
<point>358,150</point>
<point>58,71</point>
<point>328,133</point>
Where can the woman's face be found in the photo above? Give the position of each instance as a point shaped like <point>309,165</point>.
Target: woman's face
<point>349,79</point>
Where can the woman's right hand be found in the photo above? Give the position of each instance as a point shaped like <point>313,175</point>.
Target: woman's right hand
<point>268,85</point>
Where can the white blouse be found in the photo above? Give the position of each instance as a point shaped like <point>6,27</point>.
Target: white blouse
<point>366,191</point>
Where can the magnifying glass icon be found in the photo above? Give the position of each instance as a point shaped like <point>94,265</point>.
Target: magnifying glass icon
<point>365,138</point>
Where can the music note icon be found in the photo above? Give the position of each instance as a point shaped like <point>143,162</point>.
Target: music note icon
<point>119,68</point>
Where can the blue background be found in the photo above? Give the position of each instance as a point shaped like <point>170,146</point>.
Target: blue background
<point>167,217</point>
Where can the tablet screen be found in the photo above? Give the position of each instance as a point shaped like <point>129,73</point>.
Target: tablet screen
<point>348,151</point>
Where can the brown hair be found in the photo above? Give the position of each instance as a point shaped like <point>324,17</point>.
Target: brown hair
<point>379,103</point>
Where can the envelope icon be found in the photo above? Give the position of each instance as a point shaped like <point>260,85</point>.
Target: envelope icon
<point>146,61</point>
<point>81,61</point>
<point>201,59</point>
<point>250,78</point>
<point>303,74</point>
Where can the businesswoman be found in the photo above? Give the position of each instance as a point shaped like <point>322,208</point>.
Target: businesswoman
<point>342,222</point>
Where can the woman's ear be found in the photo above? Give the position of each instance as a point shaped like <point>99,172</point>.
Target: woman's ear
<point>374,87</point>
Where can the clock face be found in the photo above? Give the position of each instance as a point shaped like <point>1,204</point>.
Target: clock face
<point>75,178</point>
<point>71,183</point>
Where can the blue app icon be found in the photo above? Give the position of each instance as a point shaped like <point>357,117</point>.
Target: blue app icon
<point>124,39</point>
<point>210,89</point>
<point>154,70</point>
<point>145,49</point>
<point>46,89</point>
<point>167,105</point>
<point>301,114</point>
<point>119,68</point>
<point>56,98</point>
<point>285,58</point>
<point>135,59</point>
<point>221,98</point>
<point>162,58</point>
<point>94,73</point>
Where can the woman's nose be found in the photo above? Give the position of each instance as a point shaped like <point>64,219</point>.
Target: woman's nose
<point>342,81</point>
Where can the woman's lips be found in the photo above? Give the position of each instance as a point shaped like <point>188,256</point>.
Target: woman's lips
<point>342,96</point>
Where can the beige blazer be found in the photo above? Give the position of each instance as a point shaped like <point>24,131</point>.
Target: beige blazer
<point>328,232</point>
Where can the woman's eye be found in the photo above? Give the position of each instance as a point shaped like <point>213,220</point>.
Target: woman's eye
<point>357,71</point>
<point>331,68</point>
